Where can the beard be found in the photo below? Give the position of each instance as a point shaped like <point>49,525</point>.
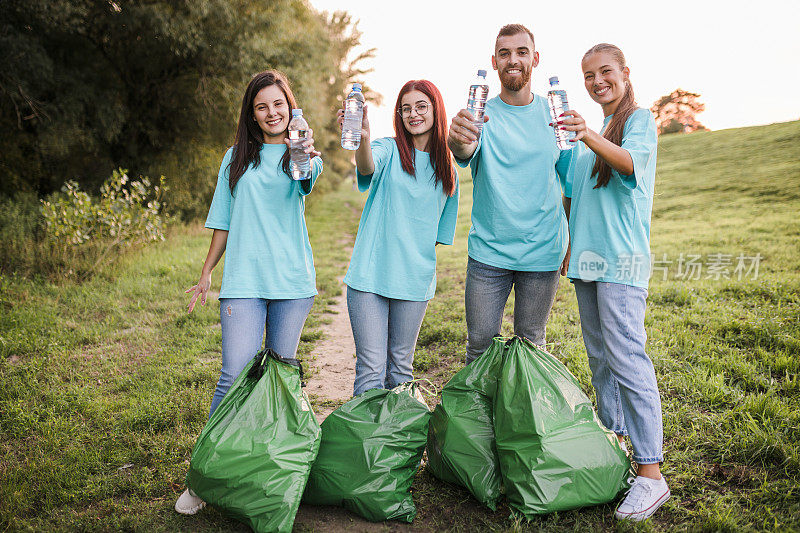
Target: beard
<point>516,83</point>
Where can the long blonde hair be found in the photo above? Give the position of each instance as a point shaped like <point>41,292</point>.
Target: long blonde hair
<point>624,110</point>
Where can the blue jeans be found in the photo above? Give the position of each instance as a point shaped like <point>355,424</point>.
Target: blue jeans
<point>385,332</point>
<point>243,322</point>
<point>628,403</point>
<point>485,297</point>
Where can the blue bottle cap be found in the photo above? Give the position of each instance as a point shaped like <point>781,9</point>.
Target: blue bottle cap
<point>481,73</point>
<point>297,112</point>
<point>356,86</point>
<point>553,80</point>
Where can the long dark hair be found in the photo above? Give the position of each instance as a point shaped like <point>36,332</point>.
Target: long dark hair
<point>616,126</point>
<point>249,137</point>
<point>441,158</point>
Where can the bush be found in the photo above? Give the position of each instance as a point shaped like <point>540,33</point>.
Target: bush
<point>73,235</point>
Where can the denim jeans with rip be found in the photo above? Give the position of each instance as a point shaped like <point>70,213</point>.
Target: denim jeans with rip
<point>485,296</point>
<point>244,321</point>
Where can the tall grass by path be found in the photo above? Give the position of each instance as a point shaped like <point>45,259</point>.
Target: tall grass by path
<point>106,385</point>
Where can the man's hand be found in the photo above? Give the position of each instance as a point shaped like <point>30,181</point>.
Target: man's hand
<point>463,135</point>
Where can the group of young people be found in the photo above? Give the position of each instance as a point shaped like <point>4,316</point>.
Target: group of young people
<point>538,212</point>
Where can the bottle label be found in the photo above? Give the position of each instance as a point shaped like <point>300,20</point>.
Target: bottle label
<point>297,135</point>
<point>351,105</point>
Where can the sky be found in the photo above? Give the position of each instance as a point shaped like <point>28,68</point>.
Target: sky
<point>728,51</point>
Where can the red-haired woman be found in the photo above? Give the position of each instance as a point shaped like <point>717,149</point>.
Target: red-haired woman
<point>412,207</point>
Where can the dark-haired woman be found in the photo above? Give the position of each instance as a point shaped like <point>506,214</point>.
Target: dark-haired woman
<point>411,207</point>
<point>611,185</point>
<point>257,215</point>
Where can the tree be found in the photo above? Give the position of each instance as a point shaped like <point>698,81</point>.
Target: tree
<point>344,37</point>
<point>87,86</point>
<point>675,112</point>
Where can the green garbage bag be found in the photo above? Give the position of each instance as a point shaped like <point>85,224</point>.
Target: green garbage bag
<point>554,452</point>
<point>253,457</point>
<point>461,445</point>
<point>370,451</point>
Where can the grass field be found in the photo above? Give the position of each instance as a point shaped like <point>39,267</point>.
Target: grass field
<point>105,385</point>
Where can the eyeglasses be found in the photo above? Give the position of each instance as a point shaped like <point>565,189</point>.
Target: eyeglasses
<point>421,108</point>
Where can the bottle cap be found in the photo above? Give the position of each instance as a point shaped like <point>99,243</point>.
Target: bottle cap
<point>553,80</point>
<point>297,112</point>
<point>481,73</point>
<point>356,86</point>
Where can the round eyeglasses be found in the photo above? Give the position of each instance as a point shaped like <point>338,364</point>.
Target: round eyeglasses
<point>420,108</point>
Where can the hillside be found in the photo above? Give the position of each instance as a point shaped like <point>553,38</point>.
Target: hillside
<point>107,384</point>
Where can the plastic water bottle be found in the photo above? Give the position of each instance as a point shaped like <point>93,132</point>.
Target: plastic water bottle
<point>557,98</point>
<point>300,160</point>
<point>353,114</point>
<point>478,93</point>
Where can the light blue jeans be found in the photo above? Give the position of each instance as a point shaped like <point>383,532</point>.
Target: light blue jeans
<point>243,323</point>
<point>385,332</point>
<point>628,402</point>
<point>485,296</point>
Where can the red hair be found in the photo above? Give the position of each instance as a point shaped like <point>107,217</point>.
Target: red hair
<point>441,159</point>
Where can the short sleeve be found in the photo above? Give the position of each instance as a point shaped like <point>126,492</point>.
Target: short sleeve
<point>316,170</point>
<point>219,214</point>
<point>381,152</point>
<point>640,139</point>
<point>447,221</point>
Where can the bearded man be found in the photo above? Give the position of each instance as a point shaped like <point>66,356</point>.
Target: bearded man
<point>519,236</point>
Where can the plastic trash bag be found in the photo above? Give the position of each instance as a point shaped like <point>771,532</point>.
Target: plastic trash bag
<point>554,452</point>
<point>253,457</point>
<point>461,444</point>
<point>371,449</point>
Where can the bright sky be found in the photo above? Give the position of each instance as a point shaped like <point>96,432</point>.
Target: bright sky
<point>728,51</point>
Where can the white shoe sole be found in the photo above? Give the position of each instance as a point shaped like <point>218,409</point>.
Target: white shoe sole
<point>183,506</point>
<point>190,510</point>
<point>647,513</point>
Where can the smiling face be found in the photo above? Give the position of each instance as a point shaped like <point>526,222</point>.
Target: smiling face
<point>514,59</point>
<point>605,80</point>
<point>272,113</point>
<point>417,112</point>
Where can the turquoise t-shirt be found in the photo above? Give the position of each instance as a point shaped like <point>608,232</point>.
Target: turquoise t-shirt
<point>403,219</point>
<point>518,220</point>
<point>268,254</point>
<point>610,226</point>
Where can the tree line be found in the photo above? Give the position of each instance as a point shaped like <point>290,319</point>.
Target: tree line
<point>88,86</point>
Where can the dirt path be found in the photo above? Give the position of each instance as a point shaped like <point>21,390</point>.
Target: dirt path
<point>332,384</point>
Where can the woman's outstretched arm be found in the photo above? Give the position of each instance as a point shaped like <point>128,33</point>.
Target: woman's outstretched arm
<point>218,242</point>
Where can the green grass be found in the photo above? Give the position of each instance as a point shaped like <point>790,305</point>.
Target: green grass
<point>105,385</point>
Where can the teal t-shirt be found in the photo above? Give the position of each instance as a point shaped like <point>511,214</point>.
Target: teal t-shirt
<point>403,219</point>
<point>610,226</point>
<point>268,254</point>
<point>518,220</point>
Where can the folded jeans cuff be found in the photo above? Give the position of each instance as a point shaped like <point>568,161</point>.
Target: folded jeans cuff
<point>648,460</point>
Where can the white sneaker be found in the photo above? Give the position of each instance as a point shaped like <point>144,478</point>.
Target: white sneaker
<point>643,498</point>
<point>189,503</point>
